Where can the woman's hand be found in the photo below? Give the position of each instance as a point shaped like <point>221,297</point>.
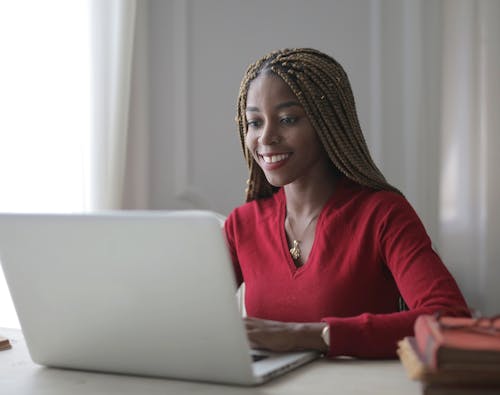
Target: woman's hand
<point>284,336</point>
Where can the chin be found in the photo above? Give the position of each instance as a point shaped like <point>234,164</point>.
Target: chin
<point>277,182</point>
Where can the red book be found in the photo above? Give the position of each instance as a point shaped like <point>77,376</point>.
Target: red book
<point>459,342</point>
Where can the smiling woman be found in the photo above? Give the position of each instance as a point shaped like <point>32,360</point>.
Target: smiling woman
<point>279,134</point>
<point>325,245</point>
<point>45,101</point>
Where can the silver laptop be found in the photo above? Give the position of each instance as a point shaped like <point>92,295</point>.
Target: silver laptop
<point>142,293</point>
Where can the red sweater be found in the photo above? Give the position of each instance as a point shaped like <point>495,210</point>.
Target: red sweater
<point>369,248</point>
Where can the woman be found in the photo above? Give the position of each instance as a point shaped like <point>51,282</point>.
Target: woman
<point>325,246</point>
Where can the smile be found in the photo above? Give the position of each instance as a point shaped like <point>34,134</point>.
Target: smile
<point>274,158</point>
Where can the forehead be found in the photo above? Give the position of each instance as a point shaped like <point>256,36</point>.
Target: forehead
<point>267,89</point>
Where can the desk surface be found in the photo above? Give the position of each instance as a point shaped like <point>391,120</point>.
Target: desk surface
<point>20,376</point>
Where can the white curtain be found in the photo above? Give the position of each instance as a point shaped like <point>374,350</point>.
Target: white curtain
<point>470,188</point>
<point>44,111</point>
<point>113,34</point>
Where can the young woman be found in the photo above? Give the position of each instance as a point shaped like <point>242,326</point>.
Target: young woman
<point>326,247</point>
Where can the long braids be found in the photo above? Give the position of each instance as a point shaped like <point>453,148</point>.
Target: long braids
<point>323,89</point>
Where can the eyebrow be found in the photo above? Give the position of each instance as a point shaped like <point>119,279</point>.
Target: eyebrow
<point>280,106</point>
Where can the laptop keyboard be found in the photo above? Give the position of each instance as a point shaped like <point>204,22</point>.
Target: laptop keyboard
<point>258,357</point>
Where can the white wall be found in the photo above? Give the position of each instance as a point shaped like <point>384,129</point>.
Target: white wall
<point>391,49</point>
<point>199,51</point>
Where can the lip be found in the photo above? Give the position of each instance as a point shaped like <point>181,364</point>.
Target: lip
<point>279,159</point>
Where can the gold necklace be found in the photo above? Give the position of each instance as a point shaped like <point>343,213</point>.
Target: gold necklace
<point>295,251</point>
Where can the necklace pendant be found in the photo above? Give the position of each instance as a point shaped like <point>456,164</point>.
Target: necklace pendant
<point>295,250</point>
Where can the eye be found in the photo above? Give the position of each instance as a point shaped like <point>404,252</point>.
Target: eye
<point>288,120</point>
<point>252,123</point>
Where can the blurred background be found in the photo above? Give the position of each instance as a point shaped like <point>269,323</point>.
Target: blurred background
<point>130,104</point>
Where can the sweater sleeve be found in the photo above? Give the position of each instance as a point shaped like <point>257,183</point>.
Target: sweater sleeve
<point>422,279</point>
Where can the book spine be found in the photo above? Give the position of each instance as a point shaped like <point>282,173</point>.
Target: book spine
<point>4,343</point>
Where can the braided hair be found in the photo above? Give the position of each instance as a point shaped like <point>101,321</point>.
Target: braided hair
<point>322,87</point>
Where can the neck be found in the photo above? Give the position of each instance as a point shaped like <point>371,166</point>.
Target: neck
<point>305,201</point>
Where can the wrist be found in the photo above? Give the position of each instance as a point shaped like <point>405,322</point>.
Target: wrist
<point>309,336</point>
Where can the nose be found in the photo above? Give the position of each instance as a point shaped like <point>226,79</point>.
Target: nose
<point>270,134</point>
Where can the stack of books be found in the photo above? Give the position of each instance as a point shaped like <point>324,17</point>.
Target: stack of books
<point>453,355</point>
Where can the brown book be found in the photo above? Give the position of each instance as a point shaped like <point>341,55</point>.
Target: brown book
<point>4,343</point>
<point>433,389</point>
<point>417,369</point>
<point>459,342</point>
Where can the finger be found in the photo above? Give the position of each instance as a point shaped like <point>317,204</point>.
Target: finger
<point>255,341</point>
<point>251,323</point>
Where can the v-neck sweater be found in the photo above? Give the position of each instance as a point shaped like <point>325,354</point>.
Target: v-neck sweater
<point>369,248</point>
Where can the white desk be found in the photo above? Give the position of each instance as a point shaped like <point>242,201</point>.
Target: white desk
<point>20,376</point>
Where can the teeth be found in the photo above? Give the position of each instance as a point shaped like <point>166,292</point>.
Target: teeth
<point>274,158</point>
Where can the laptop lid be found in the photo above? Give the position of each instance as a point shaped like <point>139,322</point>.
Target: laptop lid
<point>147,293</point>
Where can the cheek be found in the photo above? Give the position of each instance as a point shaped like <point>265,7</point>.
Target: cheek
<point>250,141</point>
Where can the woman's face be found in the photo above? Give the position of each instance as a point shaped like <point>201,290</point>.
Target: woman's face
<point>279,134</point>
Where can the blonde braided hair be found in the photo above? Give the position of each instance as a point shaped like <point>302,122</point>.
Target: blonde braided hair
<point>323,89</point>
